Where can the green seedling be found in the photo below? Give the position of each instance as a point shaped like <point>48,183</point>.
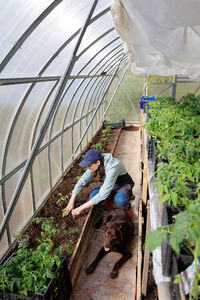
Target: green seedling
<point>107,131</point>
<point>61,199</point>
<point>69,249</point>
<point>78,177</point>
<point>29,271</point>
<point>65,212</point>
<point>98,146</point>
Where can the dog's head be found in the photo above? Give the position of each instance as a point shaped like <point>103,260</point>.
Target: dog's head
<point>113,237</point>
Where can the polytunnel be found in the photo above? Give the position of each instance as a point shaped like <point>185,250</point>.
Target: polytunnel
<point>75,71</point>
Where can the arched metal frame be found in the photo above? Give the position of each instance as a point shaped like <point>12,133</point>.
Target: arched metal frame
<point>43,130</point>
<point>36,141</point>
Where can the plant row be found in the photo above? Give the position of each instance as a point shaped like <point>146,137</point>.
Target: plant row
<point>175,128</point>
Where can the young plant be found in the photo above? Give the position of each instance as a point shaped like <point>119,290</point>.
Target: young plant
<point>65,212</point>
<point>107,131</point>
<point>98,146</point>
<point>28,271</point>
<point>186,232</point>
<point>62,199</point>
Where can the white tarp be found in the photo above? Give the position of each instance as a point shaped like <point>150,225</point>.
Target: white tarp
<point>162,37</point>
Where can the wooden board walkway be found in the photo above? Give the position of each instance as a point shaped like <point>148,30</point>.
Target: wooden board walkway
<point>99,285</point>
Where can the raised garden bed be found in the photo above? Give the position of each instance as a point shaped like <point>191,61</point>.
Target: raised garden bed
<point>74,232</point>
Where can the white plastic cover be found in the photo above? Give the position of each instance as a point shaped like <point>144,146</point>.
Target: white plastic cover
<point>161,37</point>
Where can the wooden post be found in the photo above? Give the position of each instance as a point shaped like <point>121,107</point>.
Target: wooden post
<point>146,253</point>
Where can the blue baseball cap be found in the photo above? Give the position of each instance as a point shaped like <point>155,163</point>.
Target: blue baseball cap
<point>90,156</point>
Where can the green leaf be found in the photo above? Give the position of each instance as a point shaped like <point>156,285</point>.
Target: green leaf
<point>177,279</point>
<point>155,238</point>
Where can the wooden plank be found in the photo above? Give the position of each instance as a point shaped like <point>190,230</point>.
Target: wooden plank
<point>146,253</point>
<point>81,246</point>
<point>139,263</point>
<point>144,185</point>
<point>114,149</point>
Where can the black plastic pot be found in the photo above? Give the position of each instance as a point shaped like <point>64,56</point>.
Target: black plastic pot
<point>120,124</point>
<point>59,288</point>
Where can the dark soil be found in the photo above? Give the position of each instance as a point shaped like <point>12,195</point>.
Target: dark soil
<point>152,292</point>
<point>65,187</point>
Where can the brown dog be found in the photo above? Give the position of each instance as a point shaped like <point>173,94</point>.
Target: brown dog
<point>118,233</point>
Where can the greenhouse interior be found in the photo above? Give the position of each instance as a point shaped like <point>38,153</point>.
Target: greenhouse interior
<point>100,100</point>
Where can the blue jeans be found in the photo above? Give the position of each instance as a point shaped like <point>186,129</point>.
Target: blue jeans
<point>120,198</point>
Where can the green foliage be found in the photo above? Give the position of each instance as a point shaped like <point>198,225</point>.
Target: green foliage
<point>158,78</point>
<point>98,146</point>
<point>184,231</point>
<point>175,126</point>
<point>106,131</point>
<point>65,212</point>
<point>62,198</point>
<point>28,271</point>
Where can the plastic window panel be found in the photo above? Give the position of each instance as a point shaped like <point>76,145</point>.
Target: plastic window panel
<point>184,88</point>
<point>91,97</point>
<point>23,210</point>
<point>41,177</point>
<point>82,128</point>
<point>23,15</point>
<point>67,148</point>
<point>157,89</point>
<point>76,138</point>
<point>120,107</point>
<point>69,103</point>
<point>95,30</point>
<point>55,161</point>
<point>96,48</point>
<point>10,99</point>
<point>90,136</point>
<point>20,142</point>
<point>62,22</point>
<point>101,5</point>
<point>100,58</point>
<point>59,64</point>
<point>3,245</point>
<point>79,98</point>
<point>51,131</point>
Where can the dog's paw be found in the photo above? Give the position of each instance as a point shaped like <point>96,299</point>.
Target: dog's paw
<point>89,270</point>
<point>113,274</point>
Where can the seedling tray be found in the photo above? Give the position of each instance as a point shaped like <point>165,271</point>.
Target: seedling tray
<point>59,288</point>
<point>146,99</point>
<point>120,124</point>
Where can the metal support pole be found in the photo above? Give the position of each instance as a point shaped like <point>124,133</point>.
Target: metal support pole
<point>43,130</point>
<point>174,87</point>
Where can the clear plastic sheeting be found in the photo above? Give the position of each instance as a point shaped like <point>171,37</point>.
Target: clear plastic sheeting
<point>161,37</point>
<point>57,61</point>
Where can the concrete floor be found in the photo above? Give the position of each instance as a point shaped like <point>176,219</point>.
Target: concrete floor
<point>99,285</point>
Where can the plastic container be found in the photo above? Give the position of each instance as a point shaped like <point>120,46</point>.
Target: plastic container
<point>59,288</point>
<point>146,99</point>
<point>120,124</point>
